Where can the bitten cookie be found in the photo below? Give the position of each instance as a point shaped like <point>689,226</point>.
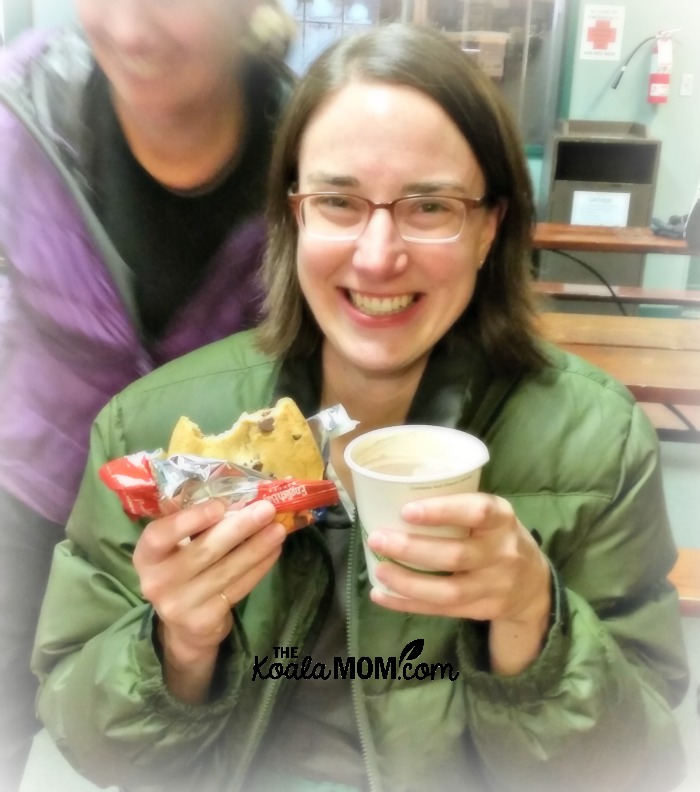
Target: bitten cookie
<point>276,441</point>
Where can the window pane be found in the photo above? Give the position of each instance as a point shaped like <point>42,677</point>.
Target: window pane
<point>518,43</point>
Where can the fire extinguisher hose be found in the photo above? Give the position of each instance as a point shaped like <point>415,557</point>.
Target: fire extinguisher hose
<point>621,71</point>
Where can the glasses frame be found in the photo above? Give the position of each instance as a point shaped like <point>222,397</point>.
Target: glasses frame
<point>295,200</point>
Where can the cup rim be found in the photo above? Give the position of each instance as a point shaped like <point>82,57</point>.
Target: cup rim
<point>400,429</point>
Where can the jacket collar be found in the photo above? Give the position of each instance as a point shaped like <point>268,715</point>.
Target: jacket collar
<point>457,389</point>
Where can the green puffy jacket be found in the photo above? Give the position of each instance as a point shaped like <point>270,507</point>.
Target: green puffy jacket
<point>570,450</point>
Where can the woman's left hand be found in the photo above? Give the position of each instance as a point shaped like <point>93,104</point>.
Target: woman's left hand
<point>497,573</point>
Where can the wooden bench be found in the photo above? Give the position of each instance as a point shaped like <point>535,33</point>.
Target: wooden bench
<point>635,295</point>
<point>636,332</point>
<point>685,576</point>
<point>668,423</point>
<point>657,359</point>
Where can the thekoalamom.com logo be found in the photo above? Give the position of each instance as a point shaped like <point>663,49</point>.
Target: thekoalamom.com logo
<point>393,668</point>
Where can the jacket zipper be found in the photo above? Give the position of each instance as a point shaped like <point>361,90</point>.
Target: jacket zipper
<point>272,693</point>
<point>360,715</point>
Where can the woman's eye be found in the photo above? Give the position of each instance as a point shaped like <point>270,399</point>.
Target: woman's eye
<point>337,203</point>
<point>431,207</point>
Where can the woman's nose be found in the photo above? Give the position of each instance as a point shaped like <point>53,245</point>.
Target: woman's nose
<point>127,22</point>
<point>380,249</point>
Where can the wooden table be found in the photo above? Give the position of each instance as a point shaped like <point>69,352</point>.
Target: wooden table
<point>657,359</point>
<point>562,237</point>
<point>606,239</point>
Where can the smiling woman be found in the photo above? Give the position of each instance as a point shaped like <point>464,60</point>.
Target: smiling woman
<point>444,147</point>
<point>369,298</point>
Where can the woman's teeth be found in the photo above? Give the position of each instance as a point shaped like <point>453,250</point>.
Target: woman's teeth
<point>381,306</point>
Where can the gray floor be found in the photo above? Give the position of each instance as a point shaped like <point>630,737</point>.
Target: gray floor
<point>681,466</point>
<point>687,714</point>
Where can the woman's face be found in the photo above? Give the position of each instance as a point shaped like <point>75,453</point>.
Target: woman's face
<point>382,302</point>
<point>165,57</point>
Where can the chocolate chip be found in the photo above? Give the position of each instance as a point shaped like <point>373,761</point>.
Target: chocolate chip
<point>267,424</point>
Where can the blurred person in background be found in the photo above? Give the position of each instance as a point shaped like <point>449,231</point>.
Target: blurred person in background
<point>133,162</point>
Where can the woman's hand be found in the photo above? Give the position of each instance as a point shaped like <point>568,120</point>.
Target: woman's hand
<point>194,566</point>
<point>497,573</point>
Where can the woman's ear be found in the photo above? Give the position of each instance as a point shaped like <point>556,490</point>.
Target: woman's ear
<point>492,222</point>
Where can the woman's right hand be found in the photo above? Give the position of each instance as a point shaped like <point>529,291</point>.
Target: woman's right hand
<point>194,566</point>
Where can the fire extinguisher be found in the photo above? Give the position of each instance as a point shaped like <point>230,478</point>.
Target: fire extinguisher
<point>660,72</point>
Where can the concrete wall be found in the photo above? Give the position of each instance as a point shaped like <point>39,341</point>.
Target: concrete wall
<point>16,15</point>
<point>52,12</point>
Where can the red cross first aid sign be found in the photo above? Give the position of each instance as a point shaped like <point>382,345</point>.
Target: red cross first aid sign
<point>601,32</point>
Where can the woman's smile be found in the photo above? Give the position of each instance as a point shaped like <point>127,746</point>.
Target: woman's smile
<point>381,305</point>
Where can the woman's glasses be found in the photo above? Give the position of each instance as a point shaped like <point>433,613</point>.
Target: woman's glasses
<point>418,218</point>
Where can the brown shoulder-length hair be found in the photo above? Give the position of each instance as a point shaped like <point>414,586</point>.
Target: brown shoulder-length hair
<point>500,314</point>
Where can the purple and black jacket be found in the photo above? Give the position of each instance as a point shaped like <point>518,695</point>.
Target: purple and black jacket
<point>71,332</point>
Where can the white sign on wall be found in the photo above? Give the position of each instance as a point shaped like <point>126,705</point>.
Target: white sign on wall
<point>600,208</point>
<point>601,32</point>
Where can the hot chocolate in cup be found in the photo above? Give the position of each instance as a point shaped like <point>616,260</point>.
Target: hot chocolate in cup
<point>398,464</point>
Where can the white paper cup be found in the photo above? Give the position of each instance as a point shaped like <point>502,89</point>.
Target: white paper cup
<point>398,464</point>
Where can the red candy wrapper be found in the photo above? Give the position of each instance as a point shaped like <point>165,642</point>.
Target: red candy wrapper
<point>151,485</point>
<point>132,479</point>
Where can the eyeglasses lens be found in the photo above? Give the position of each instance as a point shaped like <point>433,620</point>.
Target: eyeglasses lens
<point>422,217</point>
